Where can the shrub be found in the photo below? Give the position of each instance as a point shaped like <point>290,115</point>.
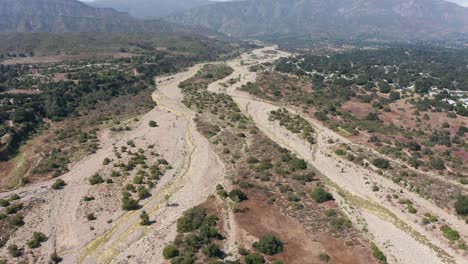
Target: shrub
<point>461,205</point>
<point>381,163</point>
<point>221,192</point>
<point>128,203</point>
<point>298,164</point>
<point>237,195</point>
<point>319,195</point>
<point>212,251</point>
<point>324,257</point>
<point>90,217</point>
<point>106,161</point>
<point>269,245</point>
<point>153,123</point>
<point>37,240</point>
<point>191,220</point>
<point>58,184</point>
<point>254,258</point>
<point>96,179</point>
<point>14,208</point>
<point>4,203</point>
<point>143,193</point>
<point>378,254</point>
<point>144,219</point>
<point>55,258</point>
<point>340,223</point>
<point>15,251</point>
<point>88,198</point>
<point>449,233</point>
<point>17,220</point>
<point>437,164</point>
<point>170,252</point>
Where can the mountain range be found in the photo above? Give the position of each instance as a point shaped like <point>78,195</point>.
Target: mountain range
<point>388,19</point>
<point>58,16</point>
<point>150,8</point>
<point>363,19</point>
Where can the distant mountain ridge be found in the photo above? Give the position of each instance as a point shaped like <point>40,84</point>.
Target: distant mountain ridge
<point>150,8</point>
<point>390,19</point>
<point>58,16</point>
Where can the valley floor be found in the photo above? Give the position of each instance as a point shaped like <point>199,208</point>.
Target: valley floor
<point>117,237</point>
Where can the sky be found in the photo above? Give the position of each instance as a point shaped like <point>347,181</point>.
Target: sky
<point>460,2</point>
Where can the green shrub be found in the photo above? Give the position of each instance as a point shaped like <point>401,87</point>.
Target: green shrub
<point>449,233</point>
<point>319,195</point>
<point>58,184</point>
<point>128,203</point>
<point>340,223</point>
<point>55,258</point>
<point>170,252</point>
<point>237,195</point>
<point>324,257</point>
<point>191,220</point>
<point>378,254</point>
<point>90,216</point>
<point>14,208</point>
<point>15,251</point>
<point>17,220</point>
<point>254,258</point>
<point>96,179</point>
<point>37,240</point>
<point>4,203</point>
<point>213,251</point>
<point>144,219</point>
<point>269,245</point>
<point>461,205</point>
<point>381,163</point>
<point>153,123</point>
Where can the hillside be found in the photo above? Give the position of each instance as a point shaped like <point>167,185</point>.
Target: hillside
<point>390,19</point>
<point>59,16</point>
<point>149,8</point>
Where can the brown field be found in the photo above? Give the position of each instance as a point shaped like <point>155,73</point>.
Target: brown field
<point>301,246</point>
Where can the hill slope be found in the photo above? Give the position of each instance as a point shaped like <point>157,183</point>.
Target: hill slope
<point>392,19</point>
<point>59,16</point>
<point>149,8</point>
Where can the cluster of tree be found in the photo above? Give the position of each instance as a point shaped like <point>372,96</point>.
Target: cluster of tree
<point>421,66</point>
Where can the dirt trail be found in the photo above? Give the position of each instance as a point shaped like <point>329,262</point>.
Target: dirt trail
<point>399,234</point>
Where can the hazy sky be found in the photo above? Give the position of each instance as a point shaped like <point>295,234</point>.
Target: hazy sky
<point>460,2</point>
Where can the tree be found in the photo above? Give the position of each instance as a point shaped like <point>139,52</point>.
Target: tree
<point>384,87</point>
<point>170,252</point>
<point>269,245</point>
<point>319,195</point>
<point>144,219</point>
